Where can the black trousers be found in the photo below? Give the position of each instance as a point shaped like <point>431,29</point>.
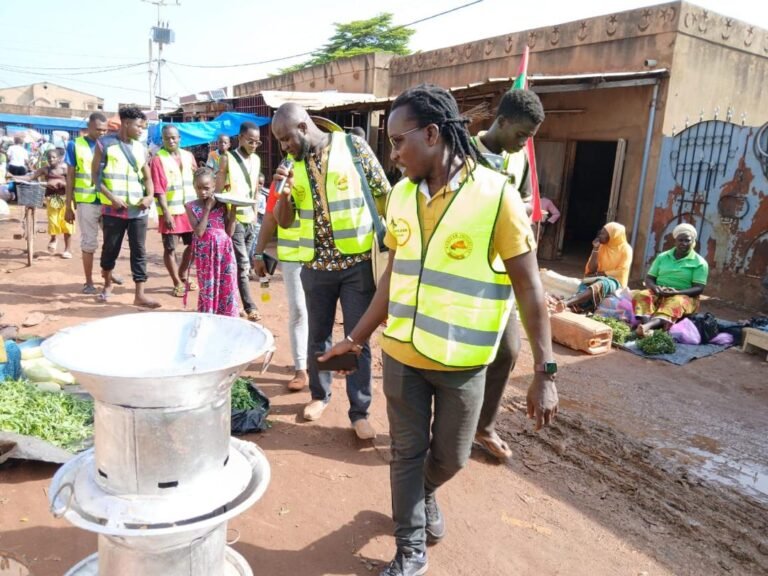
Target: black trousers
<point>114,231</point>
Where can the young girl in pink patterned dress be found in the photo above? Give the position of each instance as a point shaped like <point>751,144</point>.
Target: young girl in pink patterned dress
<point>213,224</point>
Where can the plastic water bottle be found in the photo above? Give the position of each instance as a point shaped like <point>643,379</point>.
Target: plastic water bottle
<point>264,285</point>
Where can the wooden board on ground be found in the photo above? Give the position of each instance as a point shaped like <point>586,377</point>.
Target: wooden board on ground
<point>755,340</point>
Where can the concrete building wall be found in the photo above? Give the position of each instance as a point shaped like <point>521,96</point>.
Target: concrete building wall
<point>44,111</point>
<point>709,76</point>
<point>367,73</point>
<point>47,95</point>
<point>616,43</point>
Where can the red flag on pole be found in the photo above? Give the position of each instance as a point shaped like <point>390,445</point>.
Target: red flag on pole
<point>521,83</point>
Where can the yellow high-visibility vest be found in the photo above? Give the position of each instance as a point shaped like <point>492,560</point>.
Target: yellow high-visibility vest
<point>180,188</point>
<point>119,175</point>
<point>85,192</point>
<point>446,298</point>
<point>238,184</point>
<point>350,217</point>
<point>288,242</point>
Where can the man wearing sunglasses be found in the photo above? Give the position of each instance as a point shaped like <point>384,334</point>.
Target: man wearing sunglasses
<point>458,238</point>
<point>239,175</point>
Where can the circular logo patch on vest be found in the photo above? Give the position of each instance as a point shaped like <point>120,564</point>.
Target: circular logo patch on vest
<point>401,230</point>
<point>299,192</point>
<point>342,182</point>
<point>458,246</point>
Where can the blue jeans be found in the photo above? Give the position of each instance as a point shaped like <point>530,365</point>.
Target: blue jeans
<point>242,241</point>
<point>354,288</point>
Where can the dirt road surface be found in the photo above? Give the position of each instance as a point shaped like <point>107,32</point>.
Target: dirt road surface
<point>650,469</point>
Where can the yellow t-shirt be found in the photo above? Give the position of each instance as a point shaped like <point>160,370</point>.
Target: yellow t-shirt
<point>512,236</point>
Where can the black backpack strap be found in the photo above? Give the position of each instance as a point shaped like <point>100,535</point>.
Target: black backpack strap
<point>247,175</point>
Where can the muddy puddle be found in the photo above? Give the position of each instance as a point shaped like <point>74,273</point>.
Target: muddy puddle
<point>704,456</point>
<point>686,501</point>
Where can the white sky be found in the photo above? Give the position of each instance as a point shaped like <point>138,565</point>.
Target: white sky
<point>43,37</point>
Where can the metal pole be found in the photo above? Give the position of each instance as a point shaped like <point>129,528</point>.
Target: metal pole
<point>159,75</point>
<point>644,167</point>
<point>150,73</point>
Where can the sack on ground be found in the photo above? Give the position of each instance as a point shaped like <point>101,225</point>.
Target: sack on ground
<point>707,325</point>
<point>685,332</point>
<point>253,419</point>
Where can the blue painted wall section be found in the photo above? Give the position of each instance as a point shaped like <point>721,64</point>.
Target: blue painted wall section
<point>714,175</point>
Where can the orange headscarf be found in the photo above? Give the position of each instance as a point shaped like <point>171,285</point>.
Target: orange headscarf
<point>614,258</point>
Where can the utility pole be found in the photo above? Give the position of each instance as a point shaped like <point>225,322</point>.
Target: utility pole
<point>161,35</point>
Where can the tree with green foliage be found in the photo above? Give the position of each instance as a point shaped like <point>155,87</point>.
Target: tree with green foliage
<point>376,34</point>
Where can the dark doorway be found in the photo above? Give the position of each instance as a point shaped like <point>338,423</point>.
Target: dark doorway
<point>590,192</point>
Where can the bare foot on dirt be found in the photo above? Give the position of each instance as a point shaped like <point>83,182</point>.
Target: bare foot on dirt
<point>643,332</point>
<point>146,303</point>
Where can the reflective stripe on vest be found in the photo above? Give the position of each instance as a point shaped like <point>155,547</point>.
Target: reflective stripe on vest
<point>452,306</point>
<point>120,177</point>
<point>350,218</point>
<point>85,193</point>
<point>288,240</point>
<point>238,185</point>
<point>179,188</point>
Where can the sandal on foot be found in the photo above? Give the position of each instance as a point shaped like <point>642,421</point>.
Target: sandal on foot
<point>495,445</point>
<point>51,247</point>
<point>253,316</point>
<point>190,284</point>
<point>298,383</point>
<point>179,291</point>
<point>89,289</point>
<point>117,279</point>
<point>103,297</point>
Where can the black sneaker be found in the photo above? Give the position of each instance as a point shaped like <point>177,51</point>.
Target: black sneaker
<point>406,565</point>
<point>435,522</point>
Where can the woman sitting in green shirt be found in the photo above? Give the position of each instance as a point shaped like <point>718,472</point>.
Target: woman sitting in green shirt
<point>674,283</point>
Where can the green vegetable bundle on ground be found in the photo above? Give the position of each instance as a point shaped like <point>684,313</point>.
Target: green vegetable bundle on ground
<point>657,343</point>
<point>64,420</point>
<point>621,330</point>
<point>249,408</point>
<point>242,396</point>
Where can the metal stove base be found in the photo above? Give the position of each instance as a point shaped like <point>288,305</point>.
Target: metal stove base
<point>235,565</point>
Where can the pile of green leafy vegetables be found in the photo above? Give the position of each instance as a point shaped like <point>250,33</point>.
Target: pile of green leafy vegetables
<point>242,399</point>
<point>64,420</point>
<point>657,343</point>
<point>621,330</point>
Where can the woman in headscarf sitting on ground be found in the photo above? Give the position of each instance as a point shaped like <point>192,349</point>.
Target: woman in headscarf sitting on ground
<point>607,269</point>
<point>674,283</point>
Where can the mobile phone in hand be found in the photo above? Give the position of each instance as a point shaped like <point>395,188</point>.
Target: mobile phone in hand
<point>343,363</point>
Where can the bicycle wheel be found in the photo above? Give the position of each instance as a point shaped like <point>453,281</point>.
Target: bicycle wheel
<point>30,233</point>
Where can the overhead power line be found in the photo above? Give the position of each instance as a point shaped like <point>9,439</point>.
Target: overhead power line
<point>65,78</point>
<point>283,58</point>
<point>72,71</point>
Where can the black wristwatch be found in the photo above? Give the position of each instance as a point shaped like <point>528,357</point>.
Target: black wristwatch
<point>546,368</point>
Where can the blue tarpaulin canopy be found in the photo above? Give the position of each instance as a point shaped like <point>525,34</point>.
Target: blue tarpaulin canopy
<point>44,122</point>
<point>195,133</point>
